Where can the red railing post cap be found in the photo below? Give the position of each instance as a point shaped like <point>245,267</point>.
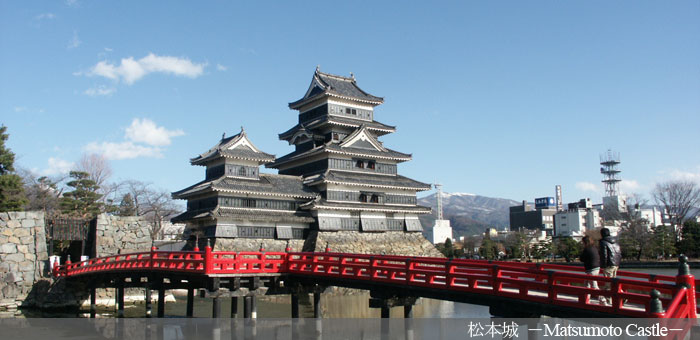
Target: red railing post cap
<point>154,248</point>
<point>195,249</point>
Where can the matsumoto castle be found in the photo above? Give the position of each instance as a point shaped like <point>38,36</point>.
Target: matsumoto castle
<point>338,188</point>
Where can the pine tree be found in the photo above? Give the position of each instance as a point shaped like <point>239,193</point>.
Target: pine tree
<point>127,207</point>
<point>12,196</point>
<point>83,201</point>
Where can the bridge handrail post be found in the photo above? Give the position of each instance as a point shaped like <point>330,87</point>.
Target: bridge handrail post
<point>152,261</point>
<point>656,308</point>
<point>495,275</point>
<point>409,268</point>
<point>686,280</point>
<point>551,294</point>
<point>615,289</point>
<point>208,260</point>
<point>448,273</point>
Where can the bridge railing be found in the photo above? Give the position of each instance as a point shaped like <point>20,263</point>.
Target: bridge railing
<point>230,262</point>
<point>631,294</point>
<point>174,261</point>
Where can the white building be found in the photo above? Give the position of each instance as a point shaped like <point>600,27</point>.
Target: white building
<point>653,216</point>
<point>579,218</point>
<point>441,231</point>
<point>617,203</point>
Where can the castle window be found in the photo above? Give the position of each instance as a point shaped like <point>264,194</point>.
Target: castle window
<point>363,198</point>
<point>370,165</point>
<point>241,171</point>
<point>375,199</point>
<point>335,136</point>
<point>360,164</point>
<point>248,203</point>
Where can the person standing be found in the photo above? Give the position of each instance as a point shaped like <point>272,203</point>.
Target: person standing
<point>591,262</point>
<point>610,254</point>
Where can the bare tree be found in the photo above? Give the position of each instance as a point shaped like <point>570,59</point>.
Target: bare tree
<point>138,191</point>
<point>636,235</point>
<point>97,166</point>
<point>158,206</point>
<point>42,192</point>
<point>100,171</point>
<point>152,203</point>
<point>680,200</point>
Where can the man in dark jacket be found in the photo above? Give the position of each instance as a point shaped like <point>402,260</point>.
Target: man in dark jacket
<point>591,263</point>
<point>610,254</point>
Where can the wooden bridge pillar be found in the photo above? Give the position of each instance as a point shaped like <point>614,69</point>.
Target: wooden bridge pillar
<point>215,307</point>
<point>385,303</point>
<point>234,307</point>
<point>247,306</point>
<point>295,306</point>
<point>120,299</point>
<point>317,304</point>
<point>190,302</point>
<point>408,311</point>
<point>161,301</point>
<point>386,312</point>
<point>93,302</point>
<point>149,305</point>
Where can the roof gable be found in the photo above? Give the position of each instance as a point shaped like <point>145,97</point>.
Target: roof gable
<point>237,146</point>
<point>326,84</point>
<point>240,142</point>
<point>362,138</point>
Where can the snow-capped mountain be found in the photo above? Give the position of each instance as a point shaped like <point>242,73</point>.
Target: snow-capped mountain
<point>469,213</point>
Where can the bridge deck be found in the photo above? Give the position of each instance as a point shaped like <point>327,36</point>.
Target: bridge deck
<point>556,287</point>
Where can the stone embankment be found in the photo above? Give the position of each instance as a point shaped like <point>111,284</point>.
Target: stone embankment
<point>23,258</point>
<point>25,280</point>
<point>385,243</point>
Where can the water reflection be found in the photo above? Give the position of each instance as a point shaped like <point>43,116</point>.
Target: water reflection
<point>332,306</point>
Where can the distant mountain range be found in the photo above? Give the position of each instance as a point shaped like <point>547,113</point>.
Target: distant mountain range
<point>469,214</point>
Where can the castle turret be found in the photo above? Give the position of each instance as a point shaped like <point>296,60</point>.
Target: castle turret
<point>339,155</point>
<point>236,201</point>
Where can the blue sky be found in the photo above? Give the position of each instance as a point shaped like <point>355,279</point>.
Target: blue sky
<point>498,98</point>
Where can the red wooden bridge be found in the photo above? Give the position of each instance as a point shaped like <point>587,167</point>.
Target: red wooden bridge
<point>546,287</point>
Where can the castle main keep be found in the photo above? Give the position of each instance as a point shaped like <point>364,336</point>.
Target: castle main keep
<point>339,188</point>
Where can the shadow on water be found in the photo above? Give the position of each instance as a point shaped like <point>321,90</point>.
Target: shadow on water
<point>332,306</point>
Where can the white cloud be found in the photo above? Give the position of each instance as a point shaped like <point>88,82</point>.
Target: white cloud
<point>43,16</point>
<point>130,70</point>
<point>221,67</point>
<point>72,3</point>
<point>123,150</point>
<point>682,175</point>
<point>107,49</point>
<point>100,91</point>
<point>629,186</point>
<point>146,131</point>
<point>20,108</point>
<point>75,41</point>
<point>57,166</point>
<point>588,186</point>
<point>143,138</point>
